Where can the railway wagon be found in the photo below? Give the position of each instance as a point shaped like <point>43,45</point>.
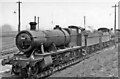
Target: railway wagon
<point>42,50</point>
<point>96,37</point>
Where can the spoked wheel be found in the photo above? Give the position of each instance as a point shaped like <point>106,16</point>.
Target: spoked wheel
<point>16,70</point>
<point>34,69</point>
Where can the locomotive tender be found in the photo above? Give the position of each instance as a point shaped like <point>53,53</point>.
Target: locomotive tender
<point>41,50</point>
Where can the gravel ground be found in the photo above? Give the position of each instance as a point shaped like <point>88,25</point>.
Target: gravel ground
<point>103,64</point>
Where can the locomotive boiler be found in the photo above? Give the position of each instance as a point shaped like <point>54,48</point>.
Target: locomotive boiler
<point>27,41</point>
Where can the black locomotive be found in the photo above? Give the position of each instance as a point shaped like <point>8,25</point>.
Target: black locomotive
<point>40,50</point>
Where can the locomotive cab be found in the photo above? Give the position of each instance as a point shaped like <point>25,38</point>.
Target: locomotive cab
<point>76,35</point>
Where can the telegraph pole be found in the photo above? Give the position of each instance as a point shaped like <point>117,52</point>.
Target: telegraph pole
<point>19,15</point>
<point>115,23</point>
<point>115,6</point>
<point>85,22</point>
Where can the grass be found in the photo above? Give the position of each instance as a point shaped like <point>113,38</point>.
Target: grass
<point>7,40</point>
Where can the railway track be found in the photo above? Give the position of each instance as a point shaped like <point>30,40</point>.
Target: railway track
<point>5,53</point>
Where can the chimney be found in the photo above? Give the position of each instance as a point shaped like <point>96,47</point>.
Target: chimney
<point>32,25</point>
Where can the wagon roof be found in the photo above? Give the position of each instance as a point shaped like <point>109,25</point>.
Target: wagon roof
<point>104,29</point>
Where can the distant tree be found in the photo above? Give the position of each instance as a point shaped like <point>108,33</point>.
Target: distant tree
<point>6,28</point>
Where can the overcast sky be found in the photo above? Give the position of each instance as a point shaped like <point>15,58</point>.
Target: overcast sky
<point>99,13</point>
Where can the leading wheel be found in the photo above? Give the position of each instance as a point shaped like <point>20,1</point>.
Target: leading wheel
<point>15,70</point>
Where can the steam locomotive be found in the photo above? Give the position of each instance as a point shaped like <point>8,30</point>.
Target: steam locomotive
<point>40,50</point>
